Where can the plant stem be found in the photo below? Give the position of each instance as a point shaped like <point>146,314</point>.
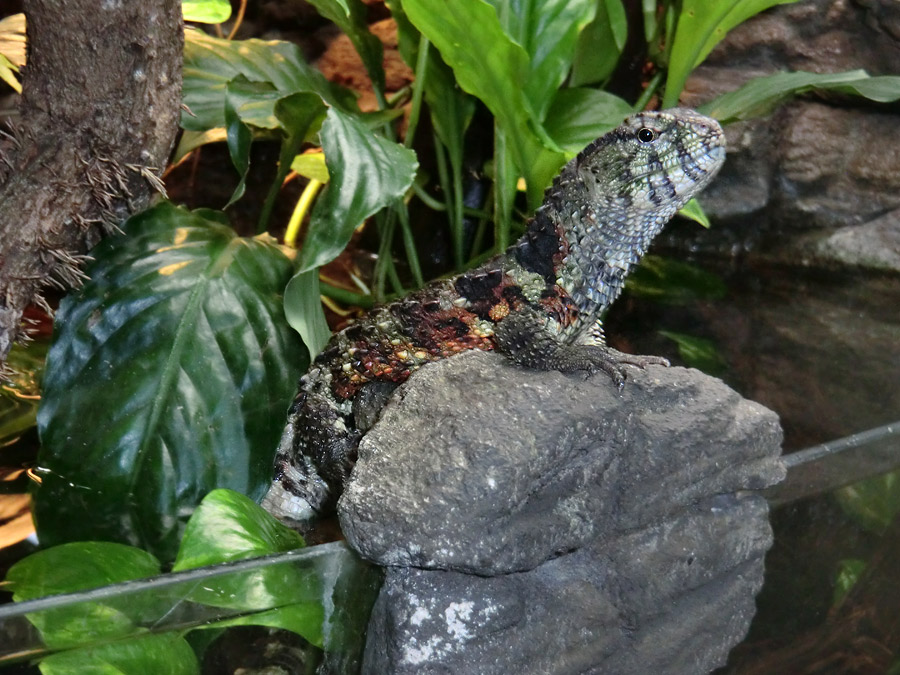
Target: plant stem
<point>300,210</point>
<point>238,19</point>
<point>418,91</point>
<point>409,244</point>
<point>647,94</point>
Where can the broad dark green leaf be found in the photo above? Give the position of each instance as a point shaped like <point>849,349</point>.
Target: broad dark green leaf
<point>548,30</point>
<point>599,45</point>
<point>488,64</point>
<point>75,567</point>
<point>303,309</point>
<point>698,352</point>
<point>702,24</point>
<point>166,654</point>
<point>206,11</point>
<point>579,115</point>
<point>211,63</point>
<point>367,171</point>
<point>169,376</point>
<point>229,526</point>
<point>762,95</point>
<point>350,16</point>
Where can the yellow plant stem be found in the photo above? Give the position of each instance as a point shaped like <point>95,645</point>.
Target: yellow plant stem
<point>300,211</point>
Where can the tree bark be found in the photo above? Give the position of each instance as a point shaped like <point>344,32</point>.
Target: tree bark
<point>98,117</point>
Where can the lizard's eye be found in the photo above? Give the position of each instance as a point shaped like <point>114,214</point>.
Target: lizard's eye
<point>646,135</point>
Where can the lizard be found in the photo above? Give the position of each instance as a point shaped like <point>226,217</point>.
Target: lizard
<point>540,302</point>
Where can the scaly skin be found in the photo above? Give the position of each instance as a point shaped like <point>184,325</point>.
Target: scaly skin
<point>540,302</point>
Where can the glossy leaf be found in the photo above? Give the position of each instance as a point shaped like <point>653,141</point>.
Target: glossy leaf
<point>548,30</point>
<point>761,95</point>
<point>491,66</point>
<point>350,17</point>
<point>169,376</point>
<point>75,567</point>
<point>367,171</point>
<point>702,24</point>
<point>303,309</point>
<point>229,526</point>
<point>211,63</point>
<point>166,654</point>
<point>579,115</point>
<point>206,11</point>
<point>599,45</point>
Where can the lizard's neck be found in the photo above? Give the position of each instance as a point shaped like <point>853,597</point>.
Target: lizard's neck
<point>587,246</point>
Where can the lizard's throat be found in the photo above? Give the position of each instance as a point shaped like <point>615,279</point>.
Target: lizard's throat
<point>601,249</point>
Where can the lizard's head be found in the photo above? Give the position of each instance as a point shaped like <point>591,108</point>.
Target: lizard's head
<point>654,161</point>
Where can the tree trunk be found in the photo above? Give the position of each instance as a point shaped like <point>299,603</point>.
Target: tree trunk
<point>98,117</point>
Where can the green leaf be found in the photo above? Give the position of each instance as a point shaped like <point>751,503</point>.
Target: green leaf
<point>350,17</point>
<point>206,11</point>
<point>599,45</point>
<point>238,136</point>
<point>580,115</point>
<point>701,26</point>
<point>367,171</point>
<point>763,94</point>
<point>312,166</point>
<point>303,309</point>
<point>228,526</point>
<point>674,282</point>
<point>873,502</point>
<point>300,116</point>
<point>492,67</point>
<point>698,352</point>
<point>7,74</point>
<point>849,572</point>
<point>169,376</point>
<point>695,212</point>
<point>548,30</point>
<point>75,567</point>
<point>211,63</point>
<point>166,654</point>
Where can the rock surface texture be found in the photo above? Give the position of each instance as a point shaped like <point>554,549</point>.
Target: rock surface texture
<point>547,523</point>
<point>819,178</point>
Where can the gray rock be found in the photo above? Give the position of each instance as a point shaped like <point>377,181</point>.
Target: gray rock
<point>810,165</point>
<point>482,467</point>
<point>672,598</point>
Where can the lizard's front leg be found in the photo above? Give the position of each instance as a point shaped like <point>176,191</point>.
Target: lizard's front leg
<point>531,338</point>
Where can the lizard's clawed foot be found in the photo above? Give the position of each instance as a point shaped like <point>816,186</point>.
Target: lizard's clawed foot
<point>594,358</point>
